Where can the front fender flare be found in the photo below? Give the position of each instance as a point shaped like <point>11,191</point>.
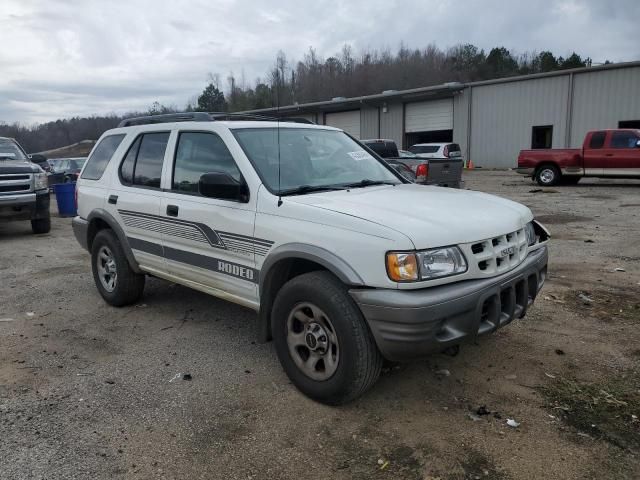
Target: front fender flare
<point>319,255</point>
<point>336,265</point>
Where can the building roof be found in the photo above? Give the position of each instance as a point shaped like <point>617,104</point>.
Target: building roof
<point>342,103</point>
<point>425,93</point>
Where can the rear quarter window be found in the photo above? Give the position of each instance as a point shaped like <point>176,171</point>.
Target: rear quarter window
<point>99,159</point>
<point>597,140</point>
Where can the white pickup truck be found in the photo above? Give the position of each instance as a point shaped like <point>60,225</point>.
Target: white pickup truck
<point>301,224</point>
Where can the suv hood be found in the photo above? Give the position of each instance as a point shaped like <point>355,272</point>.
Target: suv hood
<point>429,216</point>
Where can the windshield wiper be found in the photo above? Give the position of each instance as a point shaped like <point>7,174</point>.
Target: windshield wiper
<point>368,183</point>
<point>302,189</point>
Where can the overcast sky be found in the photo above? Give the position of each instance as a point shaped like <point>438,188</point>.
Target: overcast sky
<point>62,58</point>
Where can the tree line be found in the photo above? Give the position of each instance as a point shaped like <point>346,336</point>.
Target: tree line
<point>314,78</point>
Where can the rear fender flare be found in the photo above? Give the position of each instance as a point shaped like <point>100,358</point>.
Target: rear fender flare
<point>102,214</point>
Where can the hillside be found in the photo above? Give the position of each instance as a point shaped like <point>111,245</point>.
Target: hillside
<point>79,149</point>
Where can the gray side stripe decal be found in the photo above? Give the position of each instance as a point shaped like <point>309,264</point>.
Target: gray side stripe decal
<point>169,225</point>
<point>201,261</point>
<point>144,246</point>
<point>196,232</point>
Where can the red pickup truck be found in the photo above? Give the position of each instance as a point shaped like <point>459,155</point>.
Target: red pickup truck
<point>604,153</point>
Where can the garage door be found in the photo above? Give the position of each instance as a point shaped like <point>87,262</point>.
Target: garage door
<point>347,121</point>
<point>428,116</point>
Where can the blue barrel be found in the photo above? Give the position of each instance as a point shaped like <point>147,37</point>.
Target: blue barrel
<point>65,197</point>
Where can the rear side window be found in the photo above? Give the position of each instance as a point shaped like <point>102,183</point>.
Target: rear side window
<point>142,166</point>
<point>99,159</point>
<point>199,153</point>
<point>623,140</point>
<point>597,140</point>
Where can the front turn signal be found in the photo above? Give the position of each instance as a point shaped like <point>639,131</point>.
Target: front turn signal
<point>402,266</point>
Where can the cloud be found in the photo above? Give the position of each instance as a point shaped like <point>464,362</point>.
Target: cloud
<point>74,57</point>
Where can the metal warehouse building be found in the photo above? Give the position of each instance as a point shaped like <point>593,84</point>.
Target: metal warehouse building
<point>491,120</point>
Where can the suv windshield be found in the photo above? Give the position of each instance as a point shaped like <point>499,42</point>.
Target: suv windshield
<point>9,150</point>
<point>310,159</point>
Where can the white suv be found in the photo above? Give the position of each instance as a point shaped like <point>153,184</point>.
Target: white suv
<point>345,261</point>
<point>436,150</point>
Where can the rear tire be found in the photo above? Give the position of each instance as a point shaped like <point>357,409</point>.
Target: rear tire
<point>118,284</point>
<point>314,308</point>
<point>41,225</point>
<point>548,175</point>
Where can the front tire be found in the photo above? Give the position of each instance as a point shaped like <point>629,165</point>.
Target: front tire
<point>41,225</point>
<point>118,284</point>
<point>322,340</point>
<point>548,175</point>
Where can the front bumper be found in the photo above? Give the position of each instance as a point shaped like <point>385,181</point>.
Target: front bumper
<point>412,323</point>
<point>25,206</point>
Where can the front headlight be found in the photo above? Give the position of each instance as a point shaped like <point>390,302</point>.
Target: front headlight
<point>441,262</point>
<point>40,182</point>
<point>425,264</point>
<point>531,234</point>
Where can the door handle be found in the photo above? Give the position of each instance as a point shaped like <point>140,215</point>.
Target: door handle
<point>172,210</point>
<point>113,199</point>
<point>608,154</point>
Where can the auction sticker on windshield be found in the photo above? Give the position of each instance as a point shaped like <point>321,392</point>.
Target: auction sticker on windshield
<point>359,155</point>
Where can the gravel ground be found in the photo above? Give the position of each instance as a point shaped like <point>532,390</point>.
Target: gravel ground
<point>91,391</point>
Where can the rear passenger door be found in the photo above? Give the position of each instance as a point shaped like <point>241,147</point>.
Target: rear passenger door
<point>594,154</point>
<point>135,197</point>
<point>208,240</point>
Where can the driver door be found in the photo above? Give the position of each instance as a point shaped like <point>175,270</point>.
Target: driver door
<point>208,240</point>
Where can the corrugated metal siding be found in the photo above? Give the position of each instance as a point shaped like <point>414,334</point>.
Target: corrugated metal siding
<point>391,123</point>
<point>429,116</point>
<point>461,120</point>
<point>502,116</point>
<point>602,98</point>
<point>347,121</point>
<point>369,123</point>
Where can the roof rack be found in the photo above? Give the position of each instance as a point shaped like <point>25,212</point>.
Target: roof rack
<point>205,117</point>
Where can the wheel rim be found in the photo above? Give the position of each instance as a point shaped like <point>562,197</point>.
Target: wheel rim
<point>312,341</point>
<point>107,272</point>
<point>547,175</point>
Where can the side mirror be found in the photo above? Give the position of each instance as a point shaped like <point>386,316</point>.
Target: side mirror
<point>37,158</point>
<point>223,186</point>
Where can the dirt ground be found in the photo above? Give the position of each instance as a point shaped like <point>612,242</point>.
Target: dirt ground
<point>91,391</point>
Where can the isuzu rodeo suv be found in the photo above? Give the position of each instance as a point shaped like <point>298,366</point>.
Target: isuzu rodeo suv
<point>303,225</point>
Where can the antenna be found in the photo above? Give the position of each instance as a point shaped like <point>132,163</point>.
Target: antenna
<point>278,130</point>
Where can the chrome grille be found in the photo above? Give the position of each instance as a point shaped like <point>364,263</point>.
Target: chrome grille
<point>500,254</point>
<point>16,183</point>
